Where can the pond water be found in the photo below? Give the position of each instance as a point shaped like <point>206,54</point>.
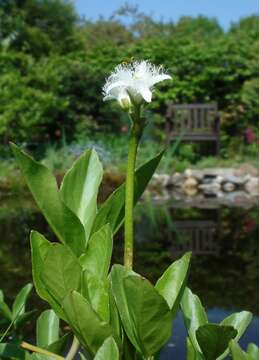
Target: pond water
<point>224,242</point>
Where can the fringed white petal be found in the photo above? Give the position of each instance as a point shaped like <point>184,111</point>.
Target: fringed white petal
<point>146,93</point>
<point>158,78</point>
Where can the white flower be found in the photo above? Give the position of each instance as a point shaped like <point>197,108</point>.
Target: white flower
<point>133,81</point>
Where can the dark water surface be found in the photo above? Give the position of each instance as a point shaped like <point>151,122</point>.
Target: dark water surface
<point>224,242</point>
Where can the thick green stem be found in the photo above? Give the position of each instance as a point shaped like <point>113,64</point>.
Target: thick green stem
<point>136,132</point>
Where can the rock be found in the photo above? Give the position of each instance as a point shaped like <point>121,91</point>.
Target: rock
<point>161,180</point>
<point>219,179</point>
<point>176,179</point>
<point>214,172</point>
<point>228,187</point>
<point>212,188</point>
<point>247,169</point>
<point>191,191</point>
<point>197,174</point>
<point>252,186</point>
<point>189,183</point>
<point>188,172</point>
<point>238,180</point>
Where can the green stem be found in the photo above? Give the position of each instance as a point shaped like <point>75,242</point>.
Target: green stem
<point>38,350</point>
<point>135,135</point>
<point>73,350</point>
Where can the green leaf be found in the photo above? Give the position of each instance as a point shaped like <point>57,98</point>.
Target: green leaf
<point>108,351</point>
<point>90,330</point>
<point>96,292</point>
<point>4,308</point>
<point>214,339</point>
<point>114,313</point>
<point>59,346</point>
<point>83,181</point>
<point>82,357</point>
<point>97,258</point>
<point>61,272</point>
<point>47,330</point>
<point>240,322</point>
<point>144,313</point>
<point>18,307</point>
<point>253,351</point>
<point>44,189</point>
<point>39,248</point>
<point>25,317</point>
<point>13,351</point>
<point>194,315</point>
<point>191,353</point>
<point>237,353</point>
<point>172,283</point>
<point>112,210</point>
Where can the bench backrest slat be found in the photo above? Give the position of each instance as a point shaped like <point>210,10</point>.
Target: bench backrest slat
<point>192,118</point>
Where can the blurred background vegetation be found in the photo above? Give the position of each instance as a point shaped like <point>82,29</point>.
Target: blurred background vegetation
<point>53,65</point>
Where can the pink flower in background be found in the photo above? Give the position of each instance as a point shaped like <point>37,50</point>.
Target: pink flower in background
<point>250,136</point>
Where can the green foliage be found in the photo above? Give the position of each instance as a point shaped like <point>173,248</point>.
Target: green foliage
<point>108,350</point>
<point>75,281</point>
<point>210,341</point>
<point>53,67</point>
<point>16,316</point>
<point>111,211</point>
<point>144,313</point>
<point>213,339</point>
<point>173,282</point>
<point>43,186</point>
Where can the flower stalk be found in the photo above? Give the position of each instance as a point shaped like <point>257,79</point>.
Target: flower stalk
<point>135,135</point>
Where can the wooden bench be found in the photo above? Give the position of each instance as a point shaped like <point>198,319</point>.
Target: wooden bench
<point>194,123</point>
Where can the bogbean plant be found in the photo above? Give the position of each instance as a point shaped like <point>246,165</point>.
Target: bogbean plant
<point>113,312</point>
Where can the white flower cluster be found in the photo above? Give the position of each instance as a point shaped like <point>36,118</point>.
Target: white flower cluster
<point>133,82</point>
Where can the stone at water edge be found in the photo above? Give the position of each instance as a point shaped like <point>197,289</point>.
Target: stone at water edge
<point>190,183</point>
<point>252,186</point>
<point>228,187</point>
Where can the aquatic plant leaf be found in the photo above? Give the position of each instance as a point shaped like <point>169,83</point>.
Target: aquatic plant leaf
<point>108,351</point>
<point>44,189</point>
<point>90,330</point>
<point>82,357</point>
<point>19,303</point>
<point>47,328</point>
<point>97,257</point>
<point>25,317</point>
<point>112,210</point>
<point>59,346</point>
<point>253,351</point>
<point>95,290</point>
<point>237,353</point>
<point>194,315</point>
<point>13,351</point>
<point>115,321</point>
<point>144,313</point>
<point>172,283</point>
<point>240,322</point>
<point>192,354</point>
<point>4,308</point>
<point>61,272</point>
<point>39,249</point>
<point>79,188</point>
<point>214,339</point>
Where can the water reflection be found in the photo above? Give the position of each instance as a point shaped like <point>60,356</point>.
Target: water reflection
<point>224,242</point>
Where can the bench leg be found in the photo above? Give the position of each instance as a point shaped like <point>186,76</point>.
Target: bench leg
<point>217,147</point>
